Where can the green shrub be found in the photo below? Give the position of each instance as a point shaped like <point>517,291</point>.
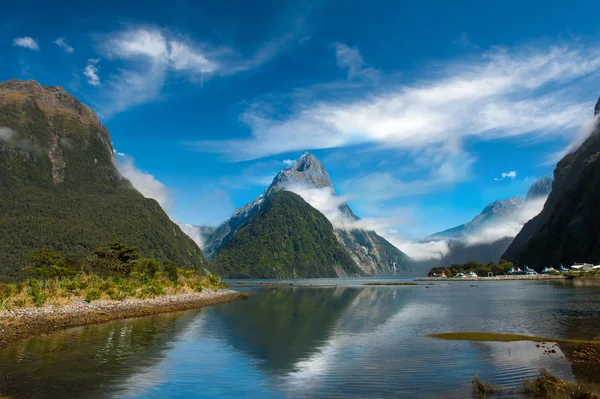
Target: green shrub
<point>35,289</point>
<point>147,267</point>
<point>92,295</point>
<point>170,270</point>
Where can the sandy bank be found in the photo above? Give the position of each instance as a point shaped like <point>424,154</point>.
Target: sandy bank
<point>25,322</point>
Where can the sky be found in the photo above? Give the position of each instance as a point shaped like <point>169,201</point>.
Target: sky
<point>422,112</point>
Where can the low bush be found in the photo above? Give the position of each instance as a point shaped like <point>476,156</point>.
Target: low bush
<point>115,272</point>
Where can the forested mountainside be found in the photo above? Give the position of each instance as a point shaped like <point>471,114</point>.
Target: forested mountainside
<point>60,189</point>
<point>373,254</point>
<point>287,238</point>
<point>567,230</point>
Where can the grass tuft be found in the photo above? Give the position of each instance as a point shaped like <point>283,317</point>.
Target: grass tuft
<point>482,389</point>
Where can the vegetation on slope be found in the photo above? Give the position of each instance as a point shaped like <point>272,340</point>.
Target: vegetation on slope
<point>572,233</point>
<point>116,272</point>
<point>59,188</point>
<point>287,238</point>
<point>472,266</point>
<point>566,230</point>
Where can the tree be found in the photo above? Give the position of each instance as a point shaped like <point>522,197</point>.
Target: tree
<point>46,263</point>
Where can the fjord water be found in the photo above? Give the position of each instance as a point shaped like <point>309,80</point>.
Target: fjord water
<point>304,340</point>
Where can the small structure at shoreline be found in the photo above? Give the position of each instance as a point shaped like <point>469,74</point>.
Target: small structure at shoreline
<point>496,278</point>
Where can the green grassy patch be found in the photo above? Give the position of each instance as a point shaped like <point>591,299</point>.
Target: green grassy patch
<point>116,272</point>
<point>496,337</point>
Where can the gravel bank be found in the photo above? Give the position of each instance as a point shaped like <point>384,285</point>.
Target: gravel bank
<point>22,323</point>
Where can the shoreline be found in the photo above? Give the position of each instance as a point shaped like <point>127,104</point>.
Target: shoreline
<point>22,323</point>
<point>495,278</point>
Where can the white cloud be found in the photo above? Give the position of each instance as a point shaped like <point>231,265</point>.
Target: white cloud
<point>144,182</point>
<point>60,42</point>
<point>194,233</point>
<point>91,72</point>
<point>440,167</point>
<point>326,201</point>
<point>26,42</point>
<point>586,129</point>
<point>350,59</point>
<point>153,55</point>
<point>502,94</point>
<point>492,232</point>
<point>420,251</point>
<point>289,162</point>
<point>507,227</point>
<point>507,175</point>
<point>182,57</point>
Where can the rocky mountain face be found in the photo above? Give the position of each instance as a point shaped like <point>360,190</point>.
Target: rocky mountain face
<point>567,229</point>
<point>287,238</point>
<point>498,213</point>
<point>373,254</point>
<point>60,189</point>
<point>541,188</point>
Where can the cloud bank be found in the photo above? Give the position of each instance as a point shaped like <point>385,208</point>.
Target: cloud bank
<point>501,94</point>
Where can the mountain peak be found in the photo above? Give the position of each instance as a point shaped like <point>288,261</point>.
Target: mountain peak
<point>51,98</point>
<point>307,171</point>
<point>540,188</point>
<point>597,108</point>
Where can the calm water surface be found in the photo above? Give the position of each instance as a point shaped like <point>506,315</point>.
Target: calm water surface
<point>312,341</point>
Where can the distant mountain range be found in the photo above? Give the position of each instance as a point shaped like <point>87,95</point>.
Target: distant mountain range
<point>488,235</point>
<point>567,229</point>
<point>371,253</point>
<point>60,189</point>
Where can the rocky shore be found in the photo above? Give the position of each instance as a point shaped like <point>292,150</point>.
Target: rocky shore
<point>25,322</point>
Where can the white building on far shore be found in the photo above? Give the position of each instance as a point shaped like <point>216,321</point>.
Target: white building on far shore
<point>585,267</point>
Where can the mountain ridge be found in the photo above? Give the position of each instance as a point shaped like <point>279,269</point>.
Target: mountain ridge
<point>567,221</point>
<point>60,189</point>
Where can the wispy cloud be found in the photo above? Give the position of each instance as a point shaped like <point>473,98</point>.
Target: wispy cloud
<point>144,182</point>
<point>350,59</point>
<point>502,94</point>
<point>507,175</point>
<point>91,72</point>
<point>498,229</point>
<point>151,56</point>
<point>439,167</point>
<point>60,42</point>
<point>26,42</point>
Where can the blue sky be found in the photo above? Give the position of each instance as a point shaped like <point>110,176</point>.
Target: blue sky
<point>415,109</point>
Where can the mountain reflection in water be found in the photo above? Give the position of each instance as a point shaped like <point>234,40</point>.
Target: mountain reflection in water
<point>300,341</point>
